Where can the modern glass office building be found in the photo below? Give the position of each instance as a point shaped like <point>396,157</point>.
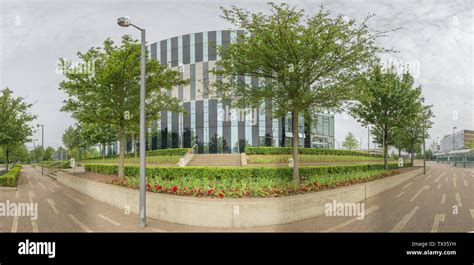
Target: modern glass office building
<point>210,124</point>
<point>463,139</point>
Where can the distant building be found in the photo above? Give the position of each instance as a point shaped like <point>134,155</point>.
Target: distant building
<point>60,154</point>
<point>463,139</point>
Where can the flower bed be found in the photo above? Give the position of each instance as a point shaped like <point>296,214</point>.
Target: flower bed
<point>244,182</point>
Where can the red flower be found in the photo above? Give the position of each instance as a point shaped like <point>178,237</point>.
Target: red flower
<point>158,187</point>
<point>174,188</point>
<point>315,184</point>
<point>210,191</point>
<point>221,195</point>
<point>148,187</point>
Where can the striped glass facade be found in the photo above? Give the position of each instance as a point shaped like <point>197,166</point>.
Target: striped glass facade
<point>209,122</point>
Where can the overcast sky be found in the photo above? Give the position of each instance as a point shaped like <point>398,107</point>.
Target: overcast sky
<point>436,38</point>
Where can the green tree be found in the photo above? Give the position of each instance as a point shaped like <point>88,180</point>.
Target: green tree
<point>48,153</point>
<point>71,139</point>
<point>350,142</point>
<point>100,133</point>
<point>20,153</point>
<point>15,122</point>
<point>111,95</point>
<point>300,62</point>
<point>391,100</point>
<point>415,130</point>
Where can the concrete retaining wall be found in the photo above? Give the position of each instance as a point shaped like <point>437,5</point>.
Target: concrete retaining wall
<point>231,213</point>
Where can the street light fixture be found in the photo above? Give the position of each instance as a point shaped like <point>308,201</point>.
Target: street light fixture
<point>42,147</point>
<point>34,151</point>
<point>125,22</point>
<point>453,136</point>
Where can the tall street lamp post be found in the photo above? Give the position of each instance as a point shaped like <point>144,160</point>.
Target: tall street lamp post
<point>42,147</point>
<point>453,137</point>
<point>424,147</point>
<point>125,22</point>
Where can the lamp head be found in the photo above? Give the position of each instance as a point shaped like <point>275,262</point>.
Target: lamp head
<point>124,21</point>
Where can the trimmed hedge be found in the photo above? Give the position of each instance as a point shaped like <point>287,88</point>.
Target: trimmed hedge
<point>233,172</point>
<point>10,178</point>
<point>59,164</point>
<point>159,152</point>
<point>306,151</point>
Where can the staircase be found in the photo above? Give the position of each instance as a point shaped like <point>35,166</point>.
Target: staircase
<point>215,160</point>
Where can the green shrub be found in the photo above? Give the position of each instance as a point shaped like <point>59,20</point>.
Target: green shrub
<point>159,152</point>
<point>283,159</point>
<point>10,178</point>
<point>307,151</point>
<point>233,172</point>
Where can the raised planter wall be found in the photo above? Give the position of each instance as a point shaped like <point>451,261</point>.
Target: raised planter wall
<point>231,213</point>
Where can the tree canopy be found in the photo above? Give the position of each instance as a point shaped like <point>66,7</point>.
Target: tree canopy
<point>350,142</point>
<point>391,101</point>
<point>15,121</point>
<point>110,95</point>
<point>301,63</point>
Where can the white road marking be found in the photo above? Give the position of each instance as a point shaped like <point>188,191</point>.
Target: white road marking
<point>31,195</point>
<point>15,224</point>
<point>472,213</point>
<point>17,195</point>
<point>446,179</point>
<point>465,182</point>
<point>108,219</point>
<point>42,185</point>
<point>426,187</point>
<point>438,218</point>
<point>437,180</point>
<point>352,220</point>
<point>439,186</point>
<point>458,198</point>
<point>400,194</point>
<point>75,199</point>
<point>429,176</point>
<point>407,185</point>
<point>443,198</point>
<point>79,223</point>
<point>52,204</point>
<point>398,227</point>
<point>34,225</point>
<point>454,182</point>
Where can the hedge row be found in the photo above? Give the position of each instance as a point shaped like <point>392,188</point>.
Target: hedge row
<point>233,172</point>
<point>306,151</point>
<point>59,164</point>
<point>10,178</point>
<point>159,152</point>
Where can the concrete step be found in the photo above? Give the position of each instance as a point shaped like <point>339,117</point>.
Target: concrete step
<point>215,160</point>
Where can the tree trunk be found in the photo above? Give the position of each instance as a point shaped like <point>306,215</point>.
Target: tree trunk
<point>296,173</point>
<point>85,152</point>
<point>6,166</point>
<point>103,150</point>
<point>411,154</point>
<point>122,152</point>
